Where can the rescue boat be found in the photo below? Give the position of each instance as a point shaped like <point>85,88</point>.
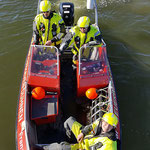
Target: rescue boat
<point>51,90</point>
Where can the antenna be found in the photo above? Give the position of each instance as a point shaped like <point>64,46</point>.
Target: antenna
<point>90,5</point>
<point>38,8</point>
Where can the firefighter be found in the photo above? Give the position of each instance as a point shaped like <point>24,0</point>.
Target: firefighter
<point>83,34</point>
<point>48,26</point>
<point>97,136</point>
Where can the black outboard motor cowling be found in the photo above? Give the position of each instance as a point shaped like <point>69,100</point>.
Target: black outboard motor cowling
<point>66,10</point>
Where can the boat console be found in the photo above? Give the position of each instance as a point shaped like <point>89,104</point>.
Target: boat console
<point>44,68</point>
<point>92,69</point>
<point>44,72</point>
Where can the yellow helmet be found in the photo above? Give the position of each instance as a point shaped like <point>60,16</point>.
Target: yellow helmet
<point>45,6</point>
<point>83,22</point>
<point>110,118</point>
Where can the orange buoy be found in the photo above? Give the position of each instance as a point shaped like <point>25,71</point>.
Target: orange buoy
<point>91,93</point>
<point>38,93</point>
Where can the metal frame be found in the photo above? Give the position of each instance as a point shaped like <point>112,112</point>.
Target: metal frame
<point>25,120</point>
<point>97,103</point>
<point>96,13</point>
<point>38,10</point>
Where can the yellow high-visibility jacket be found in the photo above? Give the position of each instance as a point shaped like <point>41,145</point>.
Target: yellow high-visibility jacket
<point>51,28</point>
<point>79,38</point>
<point>92,140</point>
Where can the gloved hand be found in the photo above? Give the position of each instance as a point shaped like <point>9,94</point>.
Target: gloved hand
<point>48,43</point>
<point>80,137</point>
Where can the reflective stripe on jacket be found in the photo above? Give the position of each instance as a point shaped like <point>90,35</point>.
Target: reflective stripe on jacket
<point>47,29</point>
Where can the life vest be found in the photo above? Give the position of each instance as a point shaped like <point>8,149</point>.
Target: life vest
<point>48,28</point>
<point>79,38</point>
<point>92,142</point>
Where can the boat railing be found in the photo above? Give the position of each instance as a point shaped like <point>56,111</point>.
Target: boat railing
<point>102,104</point>
<point>38,10</point>
<point>24,123</point>
<point>104,44</point>
<point>90,5</point>
<point>110,96</point>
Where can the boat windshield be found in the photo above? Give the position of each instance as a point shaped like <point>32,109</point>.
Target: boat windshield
<point>44,60</point>
<point>92,60</point>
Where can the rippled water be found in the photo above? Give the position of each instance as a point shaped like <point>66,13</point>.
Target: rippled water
<point>125,25</point>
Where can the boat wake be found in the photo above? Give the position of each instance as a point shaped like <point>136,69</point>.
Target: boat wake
<point>105,3</point>
<point>100,3</point>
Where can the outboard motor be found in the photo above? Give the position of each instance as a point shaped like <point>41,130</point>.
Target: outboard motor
<point>66,10</point>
